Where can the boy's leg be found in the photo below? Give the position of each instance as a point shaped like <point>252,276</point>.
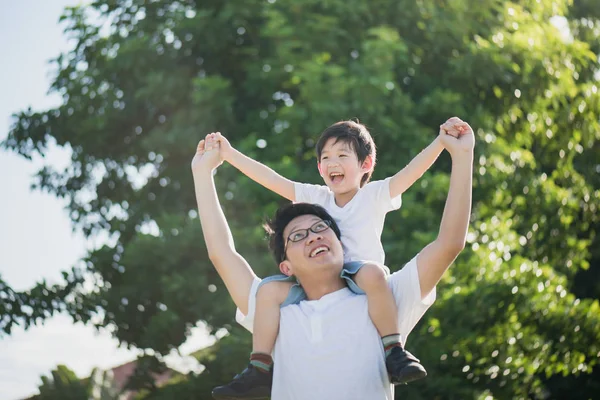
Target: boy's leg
<point>382,307</point>
<point>269,298</point>
<point>256,380</point>
<point>402,366</point>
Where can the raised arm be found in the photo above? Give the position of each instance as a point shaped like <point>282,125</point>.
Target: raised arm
<point>435,259</point>
<point>232,268</point>
<point>408,175</point>
<point>256,171</point>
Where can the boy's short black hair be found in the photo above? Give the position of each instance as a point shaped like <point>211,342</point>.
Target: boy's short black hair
<point>284,216</point>
<point>357,136</point>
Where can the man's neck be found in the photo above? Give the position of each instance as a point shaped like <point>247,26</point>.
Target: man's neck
<point>317,288</point>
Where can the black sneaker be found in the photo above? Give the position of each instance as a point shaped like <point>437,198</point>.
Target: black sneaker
<point>250,384</point>
<point>403,367</point>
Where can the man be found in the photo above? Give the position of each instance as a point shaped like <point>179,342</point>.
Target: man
<point>325,347</point>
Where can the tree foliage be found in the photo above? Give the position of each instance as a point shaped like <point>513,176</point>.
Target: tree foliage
<point>62,384</point>
<point>516,317</point>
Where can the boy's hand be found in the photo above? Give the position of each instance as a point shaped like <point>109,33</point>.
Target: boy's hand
<point>454,127</point>
<point>207,157</point>
<point>224,144</point>
<point>457,136</point>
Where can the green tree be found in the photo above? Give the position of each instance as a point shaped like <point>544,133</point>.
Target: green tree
<point>517,316</point>
<point>62,384</point>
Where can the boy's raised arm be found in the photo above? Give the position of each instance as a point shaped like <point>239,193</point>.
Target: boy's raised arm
<point>232,267</point>
<point>408,175</point>
<point>256,171</point>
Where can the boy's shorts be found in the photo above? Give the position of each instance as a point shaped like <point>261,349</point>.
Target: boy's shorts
<point>297,294</point>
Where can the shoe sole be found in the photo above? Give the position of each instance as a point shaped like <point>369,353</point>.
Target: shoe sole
<point>409,376</point>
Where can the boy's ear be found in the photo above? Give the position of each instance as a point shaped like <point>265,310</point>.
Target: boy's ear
<point>319,168</point>
<point>285,268</point>
<point>367,165</point>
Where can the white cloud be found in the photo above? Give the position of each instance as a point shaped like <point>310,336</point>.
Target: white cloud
<point>25,356</point>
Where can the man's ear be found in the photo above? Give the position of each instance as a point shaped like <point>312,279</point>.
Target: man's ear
<point>367,165</point>
<point>286,268</point>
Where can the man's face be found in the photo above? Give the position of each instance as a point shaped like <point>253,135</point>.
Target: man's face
<point>322,250</point>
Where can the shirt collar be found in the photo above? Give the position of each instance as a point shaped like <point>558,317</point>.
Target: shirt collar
<point>330,298</point>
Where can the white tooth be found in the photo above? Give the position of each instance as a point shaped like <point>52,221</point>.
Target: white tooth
<point>318,250</point>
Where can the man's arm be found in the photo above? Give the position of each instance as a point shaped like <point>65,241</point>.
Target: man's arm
<point>408,175</point>
<point>435,259</point>
<point>232,268</point>
<point>256,171</point>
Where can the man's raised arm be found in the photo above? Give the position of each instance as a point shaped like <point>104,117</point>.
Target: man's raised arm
<point>435,259</point>
<point>232,268</point>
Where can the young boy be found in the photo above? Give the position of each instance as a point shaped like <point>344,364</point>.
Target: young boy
<point>345,158</point>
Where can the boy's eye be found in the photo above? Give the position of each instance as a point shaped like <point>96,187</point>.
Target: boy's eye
<point>343,155</point>
<point>324,158</point>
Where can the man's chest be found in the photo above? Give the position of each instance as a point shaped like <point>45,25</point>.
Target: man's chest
<point>341,324</point>
<point>325,351</point>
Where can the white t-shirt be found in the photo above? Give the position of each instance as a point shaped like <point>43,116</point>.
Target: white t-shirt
<point>329,349</point>
<point>360,221</point>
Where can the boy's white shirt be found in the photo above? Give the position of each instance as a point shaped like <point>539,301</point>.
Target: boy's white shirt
<point>360,221</point>
<point>329,348</point>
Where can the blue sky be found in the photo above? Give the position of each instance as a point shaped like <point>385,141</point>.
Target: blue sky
<point>36,238</point>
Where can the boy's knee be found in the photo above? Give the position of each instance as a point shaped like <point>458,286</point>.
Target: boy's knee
<point>371,275</point>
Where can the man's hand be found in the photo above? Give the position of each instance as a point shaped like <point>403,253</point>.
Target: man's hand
<point>457,136</point>
<point>208,155</point>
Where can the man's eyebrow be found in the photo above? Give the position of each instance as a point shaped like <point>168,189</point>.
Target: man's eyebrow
<point>315,219</point>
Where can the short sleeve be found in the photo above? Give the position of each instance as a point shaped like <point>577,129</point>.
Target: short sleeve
<point>307,193</point>
<point>407,293</point>
<point>247,321</point>
<point>380,192</point>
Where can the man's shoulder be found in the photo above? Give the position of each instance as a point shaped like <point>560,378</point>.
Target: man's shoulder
<point>405,285</point>
<point>406,273</point>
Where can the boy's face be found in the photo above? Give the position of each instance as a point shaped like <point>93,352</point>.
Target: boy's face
<point>339,166</point>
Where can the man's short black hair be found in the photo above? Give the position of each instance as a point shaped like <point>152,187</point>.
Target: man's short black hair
<point>357,136</point>
<point>284,216</point>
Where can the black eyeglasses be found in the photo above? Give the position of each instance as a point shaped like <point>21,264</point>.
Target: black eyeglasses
<point>302,234</point>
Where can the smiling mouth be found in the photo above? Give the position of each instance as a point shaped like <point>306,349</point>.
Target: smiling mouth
<point>318,250</point>
<point>336,177</point>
